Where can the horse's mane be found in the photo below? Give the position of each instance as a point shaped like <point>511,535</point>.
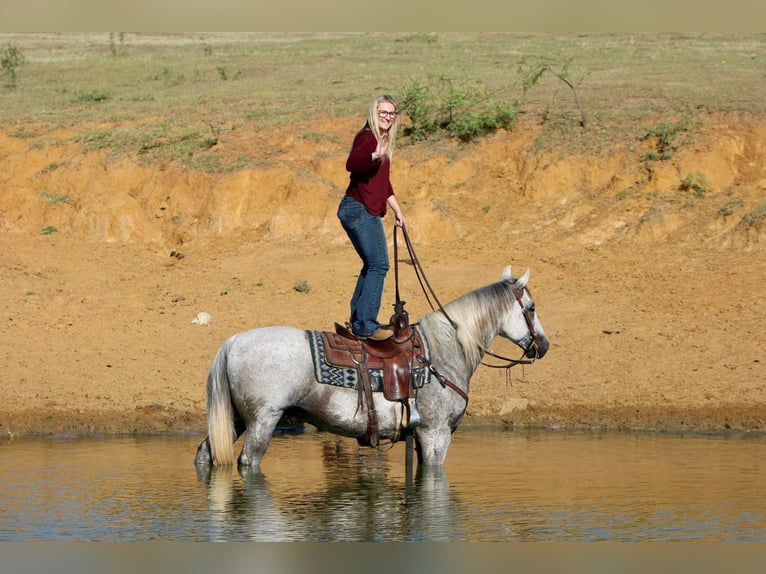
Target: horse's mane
<point>476,315</point>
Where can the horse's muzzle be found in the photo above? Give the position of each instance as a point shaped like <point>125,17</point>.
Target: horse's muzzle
<point>537,349</point>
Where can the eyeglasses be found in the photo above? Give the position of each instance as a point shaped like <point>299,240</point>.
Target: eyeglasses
<point>384,113</point>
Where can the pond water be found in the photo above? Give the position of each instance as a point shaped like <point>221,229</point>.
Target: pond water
<point>496,486</point>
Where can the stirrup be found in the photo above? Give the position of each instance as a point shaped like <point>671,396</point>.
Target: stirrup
<point>413,418</point>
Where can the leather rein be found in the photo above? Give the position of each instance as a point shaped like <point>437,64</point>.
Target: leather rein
<point>429,293</point>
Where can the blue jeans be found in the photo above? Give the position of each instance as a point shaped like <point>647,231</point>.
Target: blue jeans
<point>369,239</point>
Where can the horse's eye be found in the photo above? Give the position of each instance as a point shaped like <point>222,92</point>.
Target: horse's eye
<point>531,308</point>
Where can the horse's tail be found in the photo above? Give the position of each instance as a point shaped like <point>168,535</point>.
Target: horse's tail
<point>220,416</point>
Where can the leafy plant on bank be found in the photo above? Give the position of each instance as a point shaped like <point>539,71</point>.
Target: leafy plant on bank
<point>728,208</point>
<point>696,182</point>
<point>754,217</point>
<point>57,197</point>
<point>439,107</point>
<point>666,142</point>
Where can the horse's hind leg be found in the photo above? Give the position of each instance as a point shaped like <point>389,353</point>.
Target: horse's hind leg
<point>258,436</point>
<point>204,457</point>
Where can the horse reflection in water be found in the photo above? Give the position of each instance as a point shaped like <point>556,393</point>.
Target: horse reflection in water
<point>356,501</point>
<point>236,505</point>
<point>259,375</point>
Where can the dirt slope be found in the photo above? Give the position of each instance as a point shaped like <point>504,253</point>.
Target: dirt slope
<point>652,295</point>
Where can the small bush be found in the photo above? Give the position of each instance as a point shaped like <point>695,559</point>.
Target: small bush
<point>302,286</point>
<point>48,229</point>
<point>169,77</point>
<point>665,135</point>
<point>728,207</point>
<point>695,182</point>
<point>755,216</point>
<point>116,43</point>
<point>421,37</point>
<point>464,113</point>
<point>92,96</point>
<point>12,59</point>
<point>53,166</point>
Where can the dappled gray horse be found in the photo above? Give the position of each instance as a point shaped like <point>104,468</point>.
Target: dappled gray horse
<point>259,375</point>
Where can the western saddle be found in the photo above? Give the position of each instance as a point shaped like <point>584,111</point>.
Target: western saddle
<point>396,357</point>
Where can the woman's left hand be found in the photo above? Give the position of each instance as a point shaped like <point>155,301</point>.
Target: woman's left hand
<point>400,220</point>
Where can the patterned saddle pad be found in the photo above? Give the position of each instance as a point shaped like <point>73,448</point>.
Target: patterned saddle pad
<point>348,377</point>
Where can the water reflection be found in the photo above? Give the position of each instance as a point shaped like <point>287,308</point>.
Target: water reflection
<point>496,486</point>
<point>356,498</point>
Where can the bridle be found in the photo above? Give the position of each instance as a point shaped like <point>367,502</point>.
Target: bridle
<point>428,291</point>
<point>518,294</point>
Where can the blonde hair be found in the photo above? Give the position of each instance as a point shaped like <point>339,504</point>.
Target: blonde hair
<point>373,122</point>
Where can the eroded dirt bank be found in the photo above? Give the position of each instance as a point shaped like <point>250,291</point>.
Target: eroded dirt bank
<point>651,291</point>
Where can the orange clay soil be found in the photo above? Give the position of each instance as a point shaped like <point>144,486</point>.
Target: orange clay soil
<point>652,295</point>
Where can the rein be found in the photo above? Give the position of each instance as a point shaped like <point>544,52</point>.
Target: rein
<point>429,293</point>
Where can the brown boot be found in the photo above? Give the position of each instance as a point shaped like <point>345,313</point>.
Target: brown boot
<point>381,335</point>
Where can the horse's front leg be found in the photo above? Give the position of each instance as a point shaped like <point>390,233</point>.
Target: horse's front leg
<point>432,445</point>
<point>258,436</point>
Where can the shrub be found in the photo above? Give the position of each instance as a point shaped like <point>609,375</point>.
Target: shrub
<point>754,216</point>
<point>465,113</point>
<point>696,182</point>
<point>728,207</point>
<point>665,135</point>
<point>114,47</point>
<point>10,62</point>
<point>561,70</point>
<point>92,96</point>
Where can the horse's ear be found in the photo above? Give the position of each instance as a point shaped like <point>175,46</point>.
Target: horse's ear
<point>522,282</point>
<point>507,272</point>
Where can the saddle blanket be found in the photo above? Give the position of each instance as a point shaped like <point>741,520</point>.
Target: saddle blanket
<point>328,374</point>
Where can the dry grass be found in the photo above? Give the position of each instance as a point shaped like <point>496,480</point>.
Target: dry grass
<point>177,93</point>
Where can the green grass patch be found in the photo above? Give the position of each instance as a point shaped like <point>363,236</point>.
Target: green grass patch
<point>755,216</point>
<point>319,137</point>
<point>57,197</point>
<point>53,166</point>
<point>729,207</point>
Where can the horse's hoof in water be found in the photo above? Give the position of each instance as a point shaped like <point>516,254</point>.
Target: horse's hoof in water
<point>203,457</point>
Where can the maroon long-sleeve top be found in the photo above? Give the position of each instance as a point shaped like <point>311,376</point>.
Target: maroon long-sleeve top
<point>369,183</point>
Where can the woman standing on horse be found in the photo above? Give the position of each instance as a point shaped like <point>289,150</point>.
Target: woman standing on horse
<point>362,209</point>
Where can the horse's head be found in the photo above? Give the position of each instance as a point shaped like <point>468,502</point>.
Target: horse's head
<point>521,325</point>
